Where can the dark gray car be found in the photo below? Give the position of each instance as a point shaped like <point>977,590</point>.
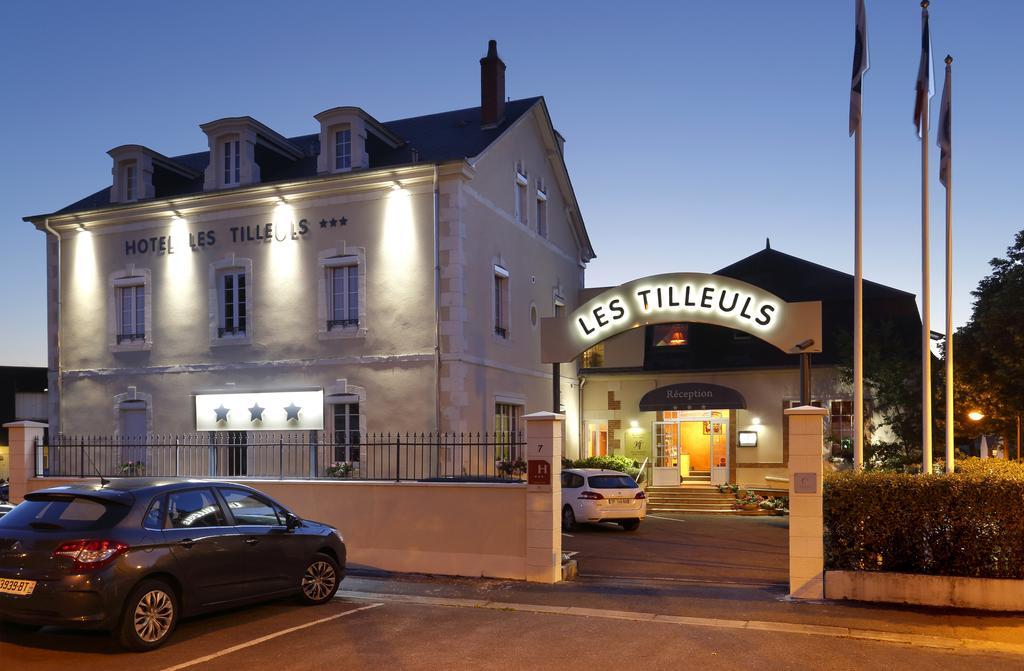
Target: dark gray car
<point>135,555</point>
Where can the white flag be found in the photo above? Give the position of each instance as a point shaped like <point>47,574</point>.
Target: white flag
<point>860,66</point>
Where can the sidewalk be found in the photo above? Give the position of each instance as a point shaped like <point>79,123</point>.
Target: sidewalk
<point>730,605</point>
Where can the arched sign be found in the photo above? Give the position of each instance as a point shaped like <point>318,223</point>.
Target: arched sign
<point>692,396</point>
<point>794,328</point>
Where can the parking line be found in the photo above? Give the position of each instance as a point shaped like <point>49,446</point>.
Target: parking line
<point>670,519</point>
<point>263,639</point>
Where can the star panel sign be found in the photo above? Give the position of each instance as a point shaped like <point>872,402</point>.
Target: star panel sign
<point>260,411</point>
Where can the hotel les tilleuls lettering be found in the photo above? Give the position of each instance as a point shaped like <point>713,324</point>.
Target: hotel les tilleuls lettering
<point>172,243</point>
<point>683,297</point>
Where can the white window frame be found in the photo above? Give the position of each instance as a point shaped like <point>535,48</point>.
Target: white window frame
<point>348,268</point>
<point>239,308</point>
<point>542,212</point>
<point>342,160</point>
<point>349,449</point>
<point>231,160</point>
<point>229,264</point>
<point>118,281</point>
<point>129,177</point>
<point>128,293</point>
<point>515,416</point>
<point>327,260</point>
<point>520,196</point>
<point>501,298</point>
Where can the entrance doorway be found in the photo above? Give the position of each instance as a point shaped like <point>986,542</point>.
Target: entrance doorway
<point>691,446</point>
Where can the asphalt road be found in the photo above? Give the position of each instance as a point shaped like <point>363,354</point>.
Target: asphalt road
<point>399,635</point>
<point>679,547</point>
<point>682,592</point>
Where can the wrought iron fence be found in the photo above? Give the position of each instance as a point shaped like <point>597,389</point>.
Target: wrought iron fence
<point>470,457</point>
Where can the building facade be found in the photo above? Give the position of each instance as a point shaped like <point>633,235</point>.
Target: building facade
<point>370,276</point>
<point>704,403</point>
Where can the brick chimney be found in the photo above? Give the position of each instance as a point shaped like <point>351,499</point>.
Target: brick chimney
<point>492,87</point>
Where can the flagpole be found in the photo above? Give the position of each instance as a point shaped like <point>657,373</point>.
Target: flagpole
<point>860,67</point>
<point>949,280</point>
<point>926,363</point>
<point>858,312</point>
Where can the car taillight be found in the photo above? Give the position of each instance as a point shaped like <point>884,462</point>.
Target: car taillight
<point>90,554</point>
<point>592,496</point>
<point>640,495</point>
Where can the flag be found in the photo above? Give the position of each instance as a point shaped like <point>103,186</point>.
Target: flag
<point>924,88</point>
<point>945,131</point>
<point>860,66</point>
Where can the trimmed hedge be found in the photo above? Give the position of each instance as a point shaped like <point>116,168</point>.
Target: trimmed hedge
<point>968,524</point>
<point>612,462</point>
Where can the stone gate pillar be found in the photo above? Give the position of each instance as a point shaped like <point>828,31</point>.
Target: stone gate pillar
<point>806,529</point>
<point>21,436</point>
<point>545,434</point>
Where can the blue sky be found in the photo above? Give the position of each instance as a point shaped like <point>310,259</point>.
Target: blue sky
<point>694,129</point>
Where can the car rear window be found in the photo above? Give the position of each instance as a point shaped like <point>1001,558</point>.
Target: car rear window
<point>71,513</point>
<point>611,482</point>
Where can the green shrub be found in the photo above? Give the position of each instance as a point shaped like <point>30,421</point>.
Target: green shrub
<point>611,462</point>
<point>995,468</point>
<point>967,524</point>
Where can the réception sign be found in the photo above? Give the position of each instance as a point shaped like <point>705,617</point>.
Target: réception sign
<point>683,297</point>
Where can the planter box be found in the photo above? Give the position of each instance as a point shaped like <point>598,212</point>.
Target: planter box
<point>926,590</point>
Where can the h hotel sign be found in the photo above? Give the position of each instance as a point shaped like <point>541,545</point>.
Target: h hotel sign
<point>538,472</point>
<point>684,297</point>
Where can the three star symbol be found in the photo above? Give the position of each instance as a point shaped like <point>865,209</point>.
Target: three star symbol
<point>293,412</point>
<point>222,413</point>
<point>256,412</point>
<point>332,222</point>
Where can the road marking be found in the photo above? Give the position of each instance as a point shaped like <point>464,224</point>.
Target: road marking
<point>919,640</point>
<point>670,519</point>
<point>264,639</point>
<point>568,535</point>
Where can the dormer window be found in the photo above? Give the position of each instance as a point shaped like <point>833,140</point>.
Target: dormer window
<point>347,136</point>
<point>238,147</point>
<point>232,162</point>
<point>343,149</point>
<point>129,181</point>
<point>140,174</point>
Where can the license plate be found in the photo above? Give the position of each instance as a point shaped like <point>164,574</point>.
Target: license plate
<point>620,500</point>
<point>17,587</point>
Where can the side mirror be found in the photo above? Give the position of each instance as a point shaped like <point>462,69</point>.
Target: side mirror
<point>291,521</point>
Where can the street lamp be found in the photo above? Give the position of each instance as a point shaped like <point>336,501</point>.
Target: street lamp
<point>977,415</point>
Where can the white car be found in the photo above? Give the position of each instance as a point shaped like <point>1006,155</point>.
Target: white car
<point>597,495</point>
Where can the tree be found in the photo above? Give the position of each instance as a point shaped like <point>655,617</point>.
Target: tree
<point>989,349</point>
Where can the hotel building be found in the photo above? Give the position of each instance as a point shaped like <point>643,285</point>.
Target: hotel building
<point>369,276</point>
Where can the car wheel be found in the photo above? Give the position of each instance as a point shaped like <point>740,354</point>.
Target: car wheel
<point>630,525</point>
<point>568,519</point>
<point>149,616</point>
<point>319,580</point>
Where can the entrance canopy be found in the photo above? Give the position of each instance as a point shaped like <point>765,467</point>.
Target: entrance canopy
<point>692,396</point>
<point>794,328</point>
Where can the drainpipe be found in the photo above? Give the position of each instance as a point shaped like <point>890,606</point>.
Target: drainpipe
<point>60,377</point>
<point>437,303</point>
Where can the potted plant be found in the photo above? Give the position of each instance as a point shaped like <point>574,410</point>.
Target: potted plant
<point>510,467</point>
<point>339,469</point>
<point>749,501</point>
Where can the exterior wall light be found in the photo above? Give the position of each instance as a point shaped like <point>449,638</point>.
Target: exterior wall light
<point>975,415</point>
<point>755,421</point>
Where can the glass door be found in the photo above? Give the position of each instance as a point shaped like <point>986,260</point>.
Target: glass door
<point>719,450</point>
<point>666,454</point>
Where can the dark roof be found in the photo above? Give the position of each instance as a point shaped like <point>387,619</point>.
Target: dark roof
<point>435,138</point>
<point>794,279</point>
<point>887,311</point>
